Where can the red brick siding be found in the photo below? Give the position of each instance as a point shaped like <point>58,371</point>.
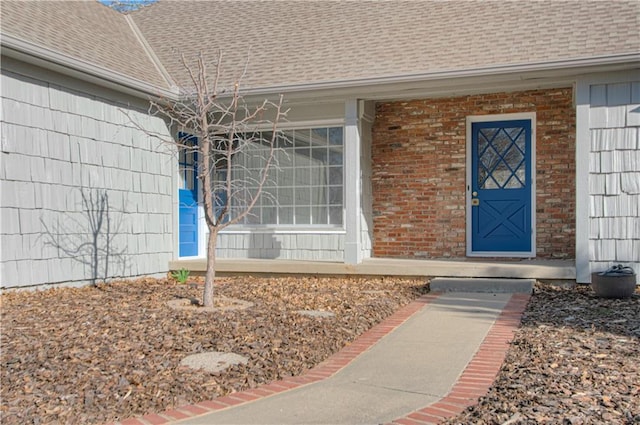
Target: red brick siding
<point>419,176</point>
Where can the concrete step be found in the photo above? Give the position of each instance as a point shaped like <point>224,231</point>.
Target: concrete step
<point>510,286</point>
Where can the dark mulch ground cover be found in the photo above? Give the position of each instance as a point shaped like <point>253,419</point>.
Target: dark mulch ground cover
<point>575,360</point>
<point>93,355</point>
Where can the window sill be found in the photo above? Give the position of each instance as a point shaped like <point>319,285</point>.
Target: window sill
<point>284,230</point>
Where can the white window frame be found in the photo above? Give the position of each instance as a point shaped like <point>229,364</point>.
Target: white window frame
<point>300,228</point>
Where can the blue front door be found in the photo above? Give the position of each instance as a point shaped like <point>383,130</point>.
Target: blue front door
<point>188,197</point>
<point>501,187</point>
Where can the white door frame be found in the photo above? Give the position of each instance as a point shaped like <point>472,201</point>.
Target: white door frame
<point>501,117</point>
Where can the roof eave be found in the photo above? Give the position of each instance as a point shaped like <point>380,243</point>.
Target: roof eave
<point>549,69</point>
<point>28,52</point>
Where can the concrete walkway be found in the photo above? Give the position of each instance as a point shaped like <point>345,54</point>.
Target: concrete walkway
<point>428,361</point>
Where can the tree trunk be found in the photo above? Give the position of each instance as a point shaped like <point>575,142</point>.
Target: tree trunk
<point>210,277</point>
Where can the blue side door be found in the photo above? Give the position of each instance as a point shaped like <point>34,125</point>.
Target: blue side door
<point>188,196</point>
<point>501,187</point>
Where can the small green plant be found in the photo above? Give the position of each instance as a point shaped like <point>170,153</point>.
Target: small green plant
<point>180,275</point>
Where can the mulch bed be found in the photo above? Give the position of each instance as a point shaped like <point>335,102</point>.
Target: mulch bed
<point>94,355</point>
<point>575,360</point>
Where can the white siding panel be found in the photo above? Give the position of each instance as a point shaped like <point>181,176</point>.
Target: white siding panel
<point>619,227</point>
<point>294,246</point>
<point>607,162</point>
<point>624,250</point>
<point>9,271</point>
<point>594,162</point>
<point>17,168</point>
<point>633,115</point>
<point>628,160</point>
<point>605,227</point>
<point>59,122</point>
<point>630,183</point>
<point>612,184</point>
<point>598,117</point>
<point>9,221</point>
<point>616,116</point>
<point>627,139</point>
<point>633,227</point>
<point>25,90</point>
<point>36,167</point>
<point>597,184</point>
<point>621,205</point>
<point>594,229</point>
<point>596,206</point>
<point>597,140</point>
<point>604,249</point>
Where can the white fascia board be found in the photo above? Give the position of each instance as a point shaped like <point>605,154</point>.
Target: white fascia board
<point>49,59</point>
<point>526,74</point>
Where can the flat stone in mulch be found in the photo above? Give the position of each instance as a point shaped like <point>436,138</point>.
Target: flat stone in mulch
<point>213,361</point>
<point>221,304</point>
<point>316,313</point>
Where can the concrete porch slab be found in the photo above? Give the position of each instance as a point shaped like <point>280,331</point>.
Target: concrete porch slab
<point>510,286</point>
<point>476,268</point>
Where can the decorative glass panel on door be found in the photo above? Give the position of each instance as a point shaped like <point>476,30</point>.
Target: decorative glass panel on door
<point>501,158</point>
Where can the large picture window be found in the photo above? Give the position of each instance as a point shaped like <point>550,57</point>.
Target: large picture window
<point>305,187</point>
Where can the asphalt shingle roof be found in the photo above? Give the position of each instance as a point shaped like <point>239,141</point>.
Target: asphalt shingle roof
<point>299,42</point>
<point>85,30</point>
<point>304,42</point>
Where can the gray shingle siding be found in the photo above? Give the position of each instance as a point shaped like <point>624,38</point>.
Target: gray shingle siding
<point>614,180</point>
<point>58,141</point>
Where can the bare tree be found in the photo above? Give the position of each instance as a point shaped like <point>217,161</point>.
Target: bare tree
<point>227,128</point>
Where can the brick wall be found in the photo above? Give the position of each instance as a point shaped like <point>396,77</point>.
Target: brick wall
<point>419,172</point>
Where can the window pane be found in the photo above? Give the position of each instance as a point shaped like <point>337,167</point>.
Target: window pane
<point>302,176</point>
<point>285,177</point>
<point>285,196</point>
<point>335,156</point>
<point>320,134</point>
<point>254,216</point>
<point>285,215</point>
<point>320,215</point>
<point>335,195</point>
<point>335,136</point>
<point>318,195</point>
<point>269,215</point>
<point>335,215</point>
<point>335,175</point>
<point>302,157</point>
<point>305,186</point>
<point>319,156</point>
<point>303,196</point>
<point>303,215</point>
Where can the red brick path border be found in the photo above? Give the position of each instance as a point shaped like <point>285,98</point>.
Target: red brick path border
<point>481,371</point>
<point>473,383</point>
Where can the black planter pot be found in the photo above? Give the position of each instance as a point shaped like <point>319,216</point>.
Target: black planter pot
<point>613,286</point>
